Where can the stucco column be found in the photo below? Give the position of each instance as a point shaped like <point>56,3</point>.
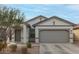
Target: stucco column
<point>13,35</point>
<point>36,35</point>
<point>25,35</point>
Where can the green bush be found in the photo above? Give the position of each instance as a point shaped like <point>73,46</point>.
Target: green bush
<point>24,50</point>
<point>29,45</point>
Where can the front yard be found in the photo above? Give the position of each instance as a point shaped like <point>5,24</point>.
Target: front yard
<point>33,50</point>
<point>44,48</point>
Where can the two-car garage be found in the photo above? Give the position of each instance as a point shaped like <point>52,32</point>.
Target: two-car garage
<point>54,36</point>
<point>54,30</point>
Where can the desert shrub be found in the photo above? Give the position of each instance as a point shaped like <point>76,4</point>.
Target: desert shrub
<point>12,47</point>
<point>24,50</point>
<point>1,46</point>
<point>29,45</point>
<point>4,44</point>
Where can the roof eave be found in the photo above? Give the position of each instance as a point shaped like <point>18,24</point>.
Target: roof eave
<point>36,17</point>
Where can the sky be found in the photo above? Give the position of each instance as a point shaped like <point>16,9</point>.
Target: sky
<point>68,12</point>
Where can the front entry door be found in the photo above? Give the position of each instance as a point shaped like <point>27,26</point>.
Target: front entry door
<point>18,35</point>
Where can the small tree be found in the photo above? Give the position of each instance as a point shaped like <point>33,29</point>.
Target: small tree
<point>10,17</point>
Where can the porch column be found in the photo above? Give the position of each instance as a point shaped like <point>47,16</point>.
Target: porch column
<point>13,35</point>
<point>36,35</point>
<point>25,34</point>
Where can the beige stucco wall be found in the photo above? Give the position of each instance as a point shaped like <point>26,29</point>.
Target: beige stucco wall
<point>76,34</point>
<point>57,22</point>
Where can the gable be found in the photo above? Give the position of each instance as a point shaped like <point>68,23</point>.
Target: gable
<point>55,21</point>
<point>36,20</point>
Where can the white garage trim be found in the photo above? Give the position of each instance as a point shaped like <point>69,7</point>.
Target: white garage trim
<point>38,28</point>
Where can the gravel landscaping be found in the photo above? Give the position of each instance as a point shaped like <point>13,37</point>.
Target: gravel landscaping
<point>33,50</point>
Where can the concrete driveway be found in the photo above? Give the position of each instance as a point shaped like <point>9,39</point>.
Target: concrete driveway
<point>64,48</point>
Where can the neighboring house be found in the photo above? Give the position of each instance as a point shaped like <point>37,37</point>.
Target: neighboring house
<point>54,30</point>
<point>76,33</point>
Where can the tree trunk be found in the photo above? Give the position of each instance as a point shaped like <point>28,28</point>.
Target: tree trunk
<point>8,31</point>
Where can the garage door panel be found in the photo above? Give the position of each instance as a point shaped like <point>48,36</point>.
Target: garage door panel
<point>54,36</point>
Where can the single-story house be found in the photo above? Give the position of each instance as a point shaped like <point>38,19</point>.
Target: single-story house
<point>53,30</point>
<point>44,30</point>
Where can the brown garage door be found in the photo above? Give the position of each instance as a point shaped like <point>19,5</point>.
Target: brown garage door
<point>54,36</point>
